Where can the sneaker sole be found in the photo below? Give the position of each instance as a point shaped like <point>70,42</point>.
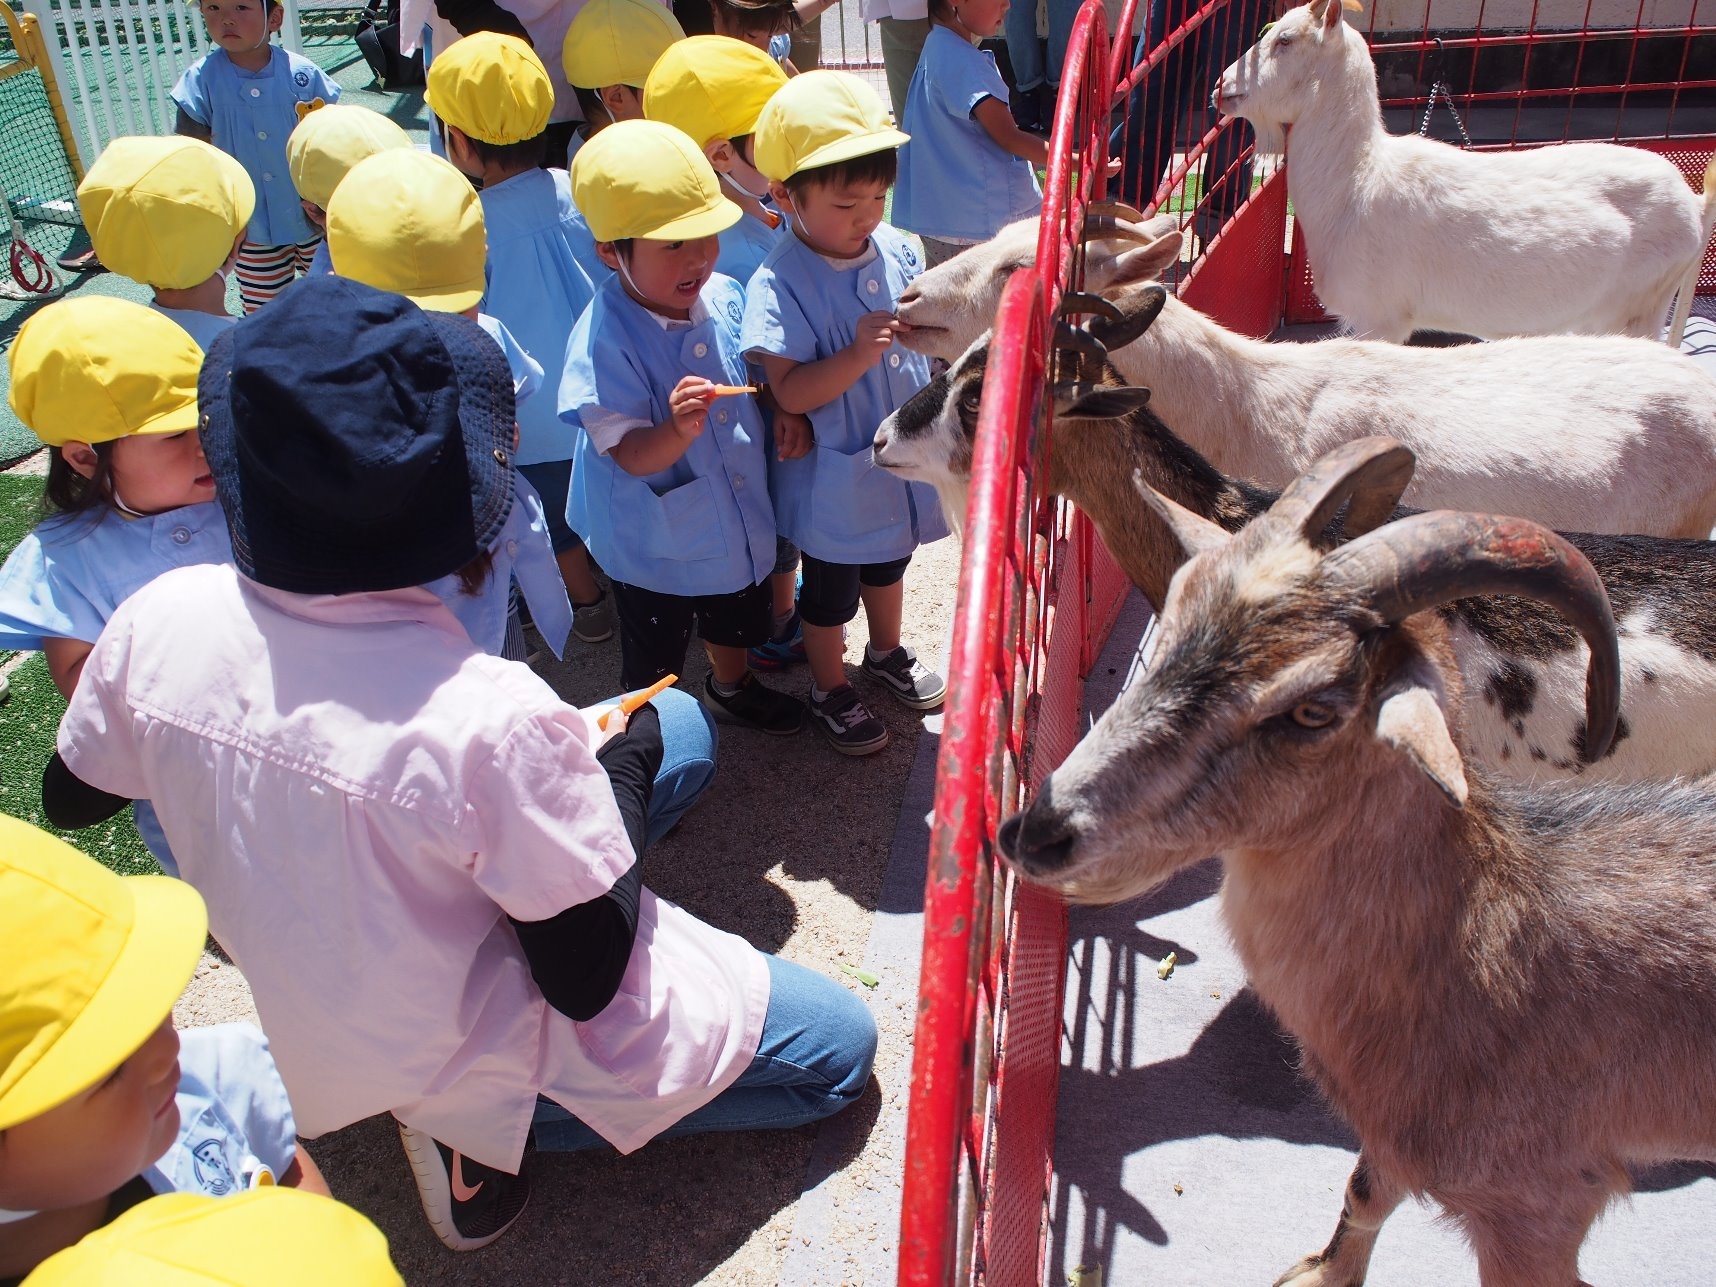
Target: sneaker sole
<point>592,639</point>
<point>432,1185</point>
<point>847,748</point>
<point>724,716</point>
<point>916,703</point>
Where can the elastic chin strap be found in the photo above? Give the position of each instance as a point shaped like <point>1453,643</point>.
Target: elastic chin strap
<point>120,505</point>
<point>734,184</point>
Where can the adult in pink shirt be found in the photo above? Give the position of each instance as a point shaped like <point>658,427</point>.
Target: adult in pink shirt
<point>425,863</point>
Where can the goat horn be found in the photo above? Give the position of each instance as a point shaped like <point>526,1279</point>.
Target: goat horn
<point>1107,227</point>
<point>1426,560</point>
<point>1115,210</point>
<point>1371,473</point>
<point>1117,327</point>
<point>1074,339</point>
<point>1083,301</point>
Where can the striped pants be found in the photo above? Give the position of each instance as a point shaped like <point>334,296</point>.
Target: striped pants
<point>264,271</point>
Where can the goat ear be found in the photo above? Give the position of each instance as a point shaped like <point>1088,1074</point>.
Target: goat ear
<point>1410,720</point>
<point>1194,532</point>
<point>1075,401</point>
<point>1145,263</point>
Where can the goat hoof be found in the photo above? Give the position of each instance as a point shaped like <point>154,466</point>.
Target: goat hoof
<point>1314,1271</point>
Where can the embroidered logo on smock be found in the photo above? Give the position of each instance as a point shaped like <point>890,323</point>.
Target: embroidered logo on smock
<point>300,78</point>
<point>213,1174</point>
<point>909,255</point>
<point>734,312</point>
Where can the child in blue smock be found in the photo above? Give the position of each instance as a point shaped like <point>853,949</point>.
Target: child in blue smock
<point>609,51</point>
<point>670,488</point>
<point>243,97</point>
<point>493,97</point>
<point>969,170</point>
<point>819,317</point>
<point>102,1103</point>
<point>714,88</point>
<point>170,213</point>
<point>322,150</point>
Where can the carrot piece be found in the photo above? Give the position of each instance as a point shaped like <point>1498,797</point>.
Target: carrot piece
<point>632,701</point>
<point>730,390</point>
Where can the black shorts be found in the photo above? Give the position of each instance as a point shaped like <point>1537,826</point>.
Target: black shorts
<point>655,628</point>
<point>830,593</point>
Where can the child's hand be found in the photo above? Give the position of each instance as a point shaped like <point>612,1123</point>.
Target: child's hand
<point>875,333</point>
<point>688,405</point>
<point>793,435</point>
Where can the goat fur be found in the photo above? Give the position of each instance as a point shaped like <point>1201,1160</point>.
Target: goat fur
<point>1407,233</point>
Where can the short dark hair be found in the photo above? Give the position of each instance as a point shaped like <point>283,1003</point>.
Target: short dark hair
<point>68,492</point>
<point>590,103</point>
<point>873,167</point>
<point>757,17</point>
<point>526,154</point>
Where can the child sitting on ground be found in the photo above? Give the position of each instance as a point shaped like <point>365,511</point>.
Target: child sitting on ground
<point>170,213</point>
<point>610,48</point>
<point>408,222</point>
<point>969,170</point>
<point>243,97</point>
<point>713,88</point>
<point>819,318</point>
<point>423,798</point>
<point>670,486</point>
<point>322,149</point>
<point>102,1103</point>
<point>493,96</point>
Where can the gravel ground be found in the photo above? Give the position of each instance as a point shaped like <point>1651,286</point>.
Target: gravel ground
<point>788,849</point>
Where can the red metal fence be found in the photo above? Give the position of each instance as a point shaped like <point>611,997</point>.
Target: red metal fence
<point>1039,593</point>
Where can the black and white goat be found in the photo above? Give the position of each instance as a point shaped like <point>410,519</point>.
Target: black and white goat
<point>1508,991</point>
<point>1520,660</point>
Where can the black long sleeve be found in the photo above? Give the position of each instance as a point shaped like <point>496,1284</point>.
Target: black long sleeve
<point>579,956</point>
<point>468,16</point>
<point>70,803</point>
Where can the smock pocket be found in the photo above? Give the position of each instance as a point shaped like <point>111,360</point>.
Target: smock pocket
<point>680,525</point>
<point>852,501</point>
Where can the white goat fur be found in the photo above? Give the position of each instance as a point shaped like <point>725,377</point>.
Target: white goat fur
<point>1582,433</point>
<point>1406,233</point>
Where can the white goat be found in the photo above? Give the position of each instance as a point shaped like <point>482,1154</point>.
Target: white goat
<point>1509,992</point>
<point>1407,233</point>
<point>1599,434</point>
<point>1524,661</point>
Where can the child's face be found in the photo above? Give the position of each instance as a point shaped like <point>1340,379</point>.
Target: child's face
<point>665,276</point>
<point>737,164</point>
<point>95,1142</point>
<point>314,213</point>
<point>757,35</point>
<point>152,472</point>
<point>835,219</point>
<point>981,17</point>
<point>241,26</point>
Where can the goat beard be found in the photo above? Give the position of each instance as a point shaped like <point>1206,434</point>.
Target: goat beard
<point>1270,136</point>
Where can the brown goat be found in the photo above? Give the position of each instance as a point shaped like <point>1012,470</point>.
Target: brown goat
<point>1510,992</point>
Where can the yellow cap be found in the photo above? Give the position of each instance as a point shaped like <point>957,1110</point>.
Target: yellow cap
<point>616,42</point>
<point>712,87</point>
<point>409,222</point>
<point>492,87</point>
<point>94,962</point>
<point>329,141</point>
<point>266,1237</point>
<point>165,211</point>
<point>820,118</point>
<point>95,368</point>
<point>645,179</point>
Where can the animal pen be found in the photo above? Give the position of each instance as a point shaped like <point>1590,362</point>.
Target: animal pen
<point>1039,593</point>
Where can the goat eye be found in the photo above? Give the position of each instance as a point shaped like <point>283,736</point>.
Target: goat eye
<point>1313,715</point>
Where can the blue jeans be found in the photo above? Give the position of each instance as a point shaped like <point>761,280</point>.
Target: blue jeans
<point>1183,84</point>
<point>687,758</point>
<point>814,1060</point>
<point>1025,51</point>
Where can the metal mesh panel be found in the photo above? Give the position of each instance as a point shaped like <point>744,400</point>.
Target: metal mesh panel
<point>1240,281</point>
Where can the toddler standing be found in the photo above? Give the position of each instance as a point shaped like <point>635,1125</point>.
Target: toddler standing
<point>494,97</point>
<point>671,481</point>
<point>170,213</point>
<point>610,48</point>
<point>819,317</point>
<point>243,97</point>
<point>320,152</point>
<point>969,169</point>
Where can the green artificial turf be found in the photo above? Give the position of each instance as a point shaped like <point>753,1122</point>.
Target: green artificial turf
<point>30,717</point>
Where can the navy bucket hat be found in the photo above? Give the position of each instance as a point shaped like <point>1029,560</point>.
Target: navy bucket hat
<point>357,442</point>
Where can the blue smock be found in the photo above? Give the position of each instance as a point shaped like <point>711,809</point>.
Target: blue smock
<point>956,182</point>
<point>236,1130</point>
<point>703,525</point>
<point>523,553</point>
<point>204,328</point>
<point>745,245</point>
<point>834,503</point>
<point>249,115</point>
<point>538,288</point>
<point>321,263</point>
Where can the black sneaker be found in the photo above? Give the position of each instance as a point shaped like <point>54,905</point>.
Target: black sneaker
<point>757,705</point>
<point>469,1205</point>
<point>907,678</point>
<point>847,723</point>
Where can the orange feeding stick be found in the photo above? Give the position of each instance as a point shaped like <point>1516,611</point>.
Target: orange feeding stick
<point>730,390</point>
<point>632,701</point>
